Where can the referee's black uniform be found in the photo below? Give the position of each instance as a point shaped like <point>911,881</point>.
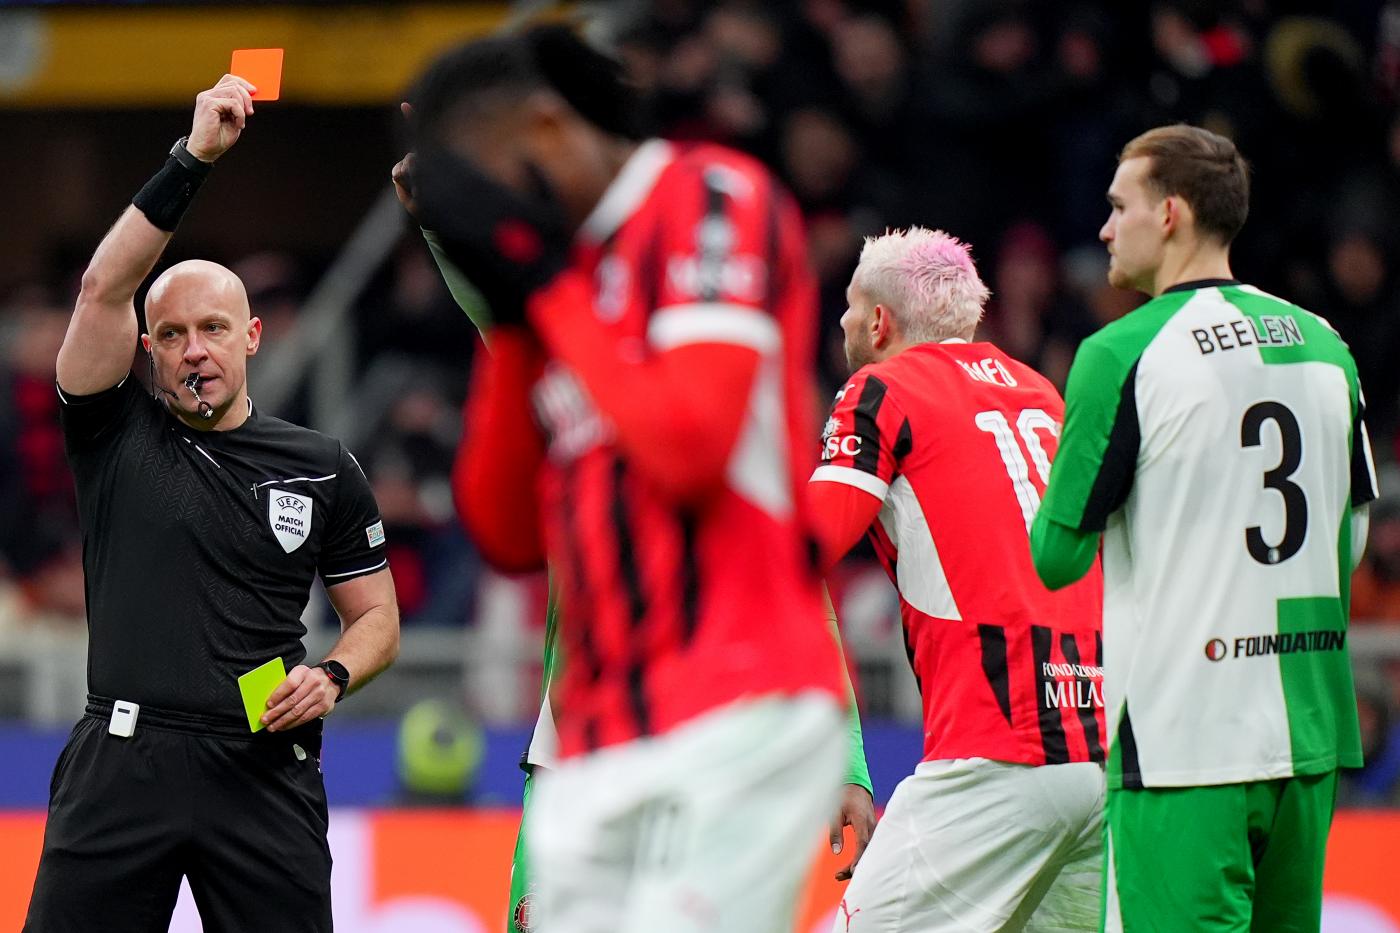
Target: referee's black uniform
<point>199,550</point>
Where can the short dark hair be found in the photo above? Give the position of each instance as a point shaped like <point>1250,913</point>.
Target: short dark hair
<point>549,57</point>
<point>1202,167</point>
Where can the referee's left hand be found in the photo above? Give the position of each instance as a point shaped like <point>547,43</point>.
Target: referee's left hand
<point>307,694</point>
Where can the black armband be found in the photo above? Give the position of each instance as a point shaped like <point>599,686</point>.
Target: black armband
<point>165,197</point>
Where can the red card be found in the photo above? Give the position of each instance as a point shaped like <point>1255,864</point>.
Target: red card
<point>262,68</point>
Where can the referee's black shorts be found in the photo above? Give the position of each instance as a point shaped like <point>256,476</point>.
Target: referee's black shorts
<point>242,816</point>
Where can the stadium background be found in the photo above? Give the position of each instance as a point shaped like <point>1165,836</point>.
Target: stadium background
<point>996,120</point>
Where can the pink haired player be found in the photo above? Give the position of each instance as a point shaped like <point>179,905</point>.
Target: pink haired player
<point>939,448</point>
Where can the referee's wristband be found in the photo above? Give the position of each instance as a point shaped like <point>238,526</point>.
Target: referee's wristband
<point>168,194</point>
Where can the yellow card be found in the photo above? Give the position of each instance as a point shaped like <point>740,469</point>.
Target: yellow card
<point>256,686</point>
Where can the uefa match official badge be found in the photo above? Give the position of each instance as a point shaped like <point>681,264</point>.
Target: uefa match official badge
<point>290,517</point>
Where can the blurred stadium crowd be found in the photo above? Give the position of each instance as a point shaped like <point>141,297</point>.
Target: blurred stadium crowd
<point>998,121</point>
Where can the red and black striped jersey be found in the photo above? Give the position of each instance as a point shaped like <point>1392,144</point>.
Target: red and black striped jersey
<point>673,605</point>
<point>956,439</point>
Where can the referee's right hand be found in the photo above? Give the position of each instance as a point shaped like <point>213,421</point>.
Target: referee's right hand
<point>219,116</point>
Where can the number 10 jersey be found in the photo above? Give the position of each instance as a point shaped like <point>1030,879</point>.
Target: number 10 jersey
<point>1215,436</point>
<point>956,440</point>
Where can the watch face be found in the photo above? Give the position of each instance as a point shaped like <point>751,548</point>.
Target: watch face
<point>337,671</point>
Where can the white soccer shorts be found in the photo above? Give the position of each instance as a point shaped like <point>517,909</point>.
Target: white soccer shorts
<point>709,828</point>
<point>976,845</point>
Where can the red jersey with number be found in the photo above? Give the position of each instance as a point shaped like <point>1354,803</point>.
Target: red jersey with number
<point>672,609</point>
<point>956,440</point>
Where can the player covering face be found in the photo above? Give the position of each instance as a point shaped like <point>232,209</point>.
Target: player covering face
<point>646,299</point>
<point>938,448</point>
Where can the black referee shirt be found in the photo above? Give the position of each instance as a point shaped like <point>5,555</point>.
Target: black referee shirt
<point>200,547</point>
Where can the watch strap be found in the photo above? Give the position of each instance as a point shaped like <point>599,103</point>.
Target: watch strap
<point>180,153</point>
<point>338,675</point>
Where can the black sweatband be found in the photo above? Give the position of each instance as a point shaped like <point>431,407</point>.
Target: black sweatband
<point>165,197</point>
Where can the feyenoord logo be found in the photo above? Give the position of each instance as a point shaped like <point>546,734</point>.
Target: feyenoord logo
<point>1215,649</point>
<point>290,517</point>
<point>521,918</point>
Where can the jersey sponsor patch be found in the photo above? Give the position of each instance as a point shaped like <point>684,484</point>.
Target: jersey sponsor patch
<point>375,534</point>
<point>570,419</point>
<point>289,515</point>
<point>846,445</point>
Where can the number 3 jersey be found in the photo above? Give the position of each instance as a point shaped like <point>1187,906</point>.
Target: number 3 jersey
<point>1215,436</point>
<point>956,440</point>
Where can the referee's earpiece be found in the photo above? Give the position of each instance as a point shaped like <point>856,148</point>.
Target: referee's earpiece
<point>156,387</point>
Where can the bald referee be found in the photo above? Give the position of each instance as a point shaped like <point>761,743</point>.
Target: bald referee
<point>205,522</point>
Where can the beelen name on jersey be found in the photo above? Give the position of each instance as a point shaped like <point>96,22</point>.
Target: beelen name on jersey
<point>1268,330</point>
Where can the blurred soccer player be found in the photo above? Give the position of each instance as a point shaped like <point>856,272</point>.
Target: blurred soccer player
<point>1214,438</point>
<point>205,523</point>
<point>856,807</point>
<point>940,448</point>
<point>653,314</point>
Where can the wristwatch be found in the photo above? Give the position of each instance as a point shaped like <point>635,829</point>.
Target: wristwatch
<point>181,153</point>
<point>338,675</point>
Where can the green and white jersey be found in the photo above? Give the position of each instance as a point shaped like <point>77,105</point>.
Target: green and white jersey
<point>1214,435</point>
<point>543,751</point>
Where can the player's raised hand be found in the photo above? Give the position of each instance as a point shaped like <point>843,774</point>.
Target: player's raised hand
<point>402,172</point>
<point>858,812</point>
<point>219,116</point>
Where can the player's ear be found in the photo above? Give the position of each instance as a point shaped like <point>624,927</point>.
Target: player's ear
<point>559,148</point>
<point>146,343</point>
<point>881,326</point>
<point>546,114</point>
<point>1171,214</point>
<point>254,334</point>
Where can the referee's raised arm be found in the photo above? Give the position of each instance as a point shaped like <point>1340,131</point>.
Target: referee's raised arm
<point>96,353</point>
<point>205,524</point>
